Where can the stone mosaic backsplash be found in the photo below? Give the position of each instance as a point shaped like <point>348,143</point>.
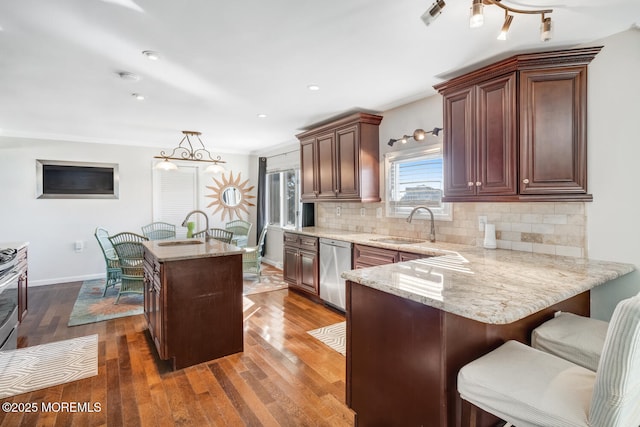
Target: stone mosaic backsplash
<point>556,228</point>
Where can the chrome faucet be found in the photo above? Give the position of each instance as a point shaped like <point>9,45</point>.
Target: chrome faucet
<point>206,221</point>
<point>432,234</point>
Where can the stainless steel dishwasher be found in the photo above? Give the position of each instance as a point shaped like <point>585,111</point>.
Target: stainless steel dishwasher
<point>335,257</point>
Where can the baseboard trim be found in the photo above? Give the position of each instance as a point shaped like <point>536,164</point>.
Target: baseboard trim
<point>58,280</point>
<point>272,263</point>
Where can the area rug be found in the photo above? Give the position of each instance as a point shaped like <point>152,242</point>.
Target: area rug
<point>270,280</point>
<point>92,307</point>
<point>47,365</point>
<point>333,335</point>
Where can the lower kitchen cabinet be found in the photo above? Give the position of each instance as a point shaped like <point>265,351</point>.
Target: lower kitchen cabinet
<point>301,268</point>
<point>193,307</point>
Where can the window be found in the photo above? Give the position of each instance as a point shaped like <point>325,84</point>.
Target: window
<point>283,198</point>
<point>414,178</point>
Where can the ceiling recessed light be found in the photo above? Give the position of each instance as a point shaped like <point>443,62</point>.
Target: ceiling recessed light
<point>152,55</point>
<point>125,75</point>
<point>262,116</point>
<point>138,96</point>
<point>313,87</point>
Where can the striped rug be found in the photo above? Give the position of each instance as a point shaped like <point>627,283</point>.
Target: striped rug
<point>47,365</point>
<point>333,335</point>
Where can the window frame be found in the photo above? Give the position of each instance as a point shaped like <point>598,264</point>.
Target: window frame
<point>429,151</point>
<point>283,205</point>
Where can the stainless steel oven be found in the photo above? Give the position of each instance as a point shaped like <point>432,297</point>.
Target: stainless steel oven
<point>9,278</point>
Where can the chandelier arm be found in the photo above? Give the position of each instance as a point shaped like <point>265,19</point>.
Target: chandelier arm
<point>511,9</point>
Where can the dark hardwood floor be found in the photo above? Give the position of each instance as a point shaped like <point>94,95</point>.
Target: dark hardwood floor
<point>283,377</point>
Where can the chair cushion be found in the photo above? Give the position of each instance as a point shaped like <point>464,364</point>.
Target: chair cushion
<point>616,394</point>
<point>528,387</point>
<point>575,338</point>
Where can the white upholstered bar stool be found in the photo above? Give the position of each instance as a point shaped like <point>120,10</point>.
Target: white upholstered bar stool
<point>530,388</point>
<point>577,339</point>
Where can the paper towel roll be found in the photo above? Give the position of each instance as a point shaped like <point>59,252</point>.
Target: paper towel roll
<point>490,236</point>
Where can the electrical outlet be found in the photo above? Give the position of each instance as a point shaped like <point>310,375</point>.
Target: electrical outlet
<point>482,221</point>
<point>338,210</point>
<point>378,212</point>
<point>363,212</point>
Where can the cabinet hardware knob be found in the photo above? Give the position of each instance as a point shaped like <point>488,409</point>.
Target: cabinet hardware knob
<point>525,181</point>
<point>470,184</point>
<point>478,184</point>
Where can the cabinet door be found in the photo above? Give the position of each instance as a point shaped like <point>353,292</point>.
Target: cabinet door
<point>290,265</point>
<point>347,162</point>
<point>327,187</point>
<point>308,165</point>
<point>459,147</point>
<point>308,271</point>
<point>496,136</point>
<point>553,131</point>
<point>157,321</point>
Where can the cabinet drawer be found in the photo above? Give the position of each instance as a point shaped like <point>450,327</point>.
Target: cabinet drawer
<point>308,243</point>
<point>370,256</point>
<point>291,238</point>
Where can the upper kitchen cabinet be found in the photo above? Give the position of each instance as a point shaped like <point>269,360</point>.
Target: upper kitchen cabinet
<point>516,129</point>
<point>340,160</point>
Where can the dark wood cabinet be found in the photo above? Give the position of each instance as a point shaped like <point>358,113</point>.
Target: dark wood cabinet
<point>193,307</point>
<point>553,131</point>
<point>368,256</point>
<point>23,281</point>
<point>516,129</point>
<point>301,268</point>
<point>481,155</point>
<point>340,160</point>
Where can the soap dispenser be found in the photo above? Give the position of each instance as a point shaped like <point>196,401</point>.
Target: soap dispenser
<point>490,236</point>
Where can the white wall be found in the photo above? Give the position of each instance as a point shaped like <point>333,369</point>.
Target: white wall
<point>51,226</point>
<point>613,224</point>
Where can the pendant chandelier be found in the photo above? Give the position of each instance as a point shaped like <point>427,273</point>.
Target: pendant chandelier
<point>187,151</point>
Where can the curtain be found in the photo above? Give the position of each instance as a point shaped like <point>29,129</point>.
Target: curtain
<point>262,199</point>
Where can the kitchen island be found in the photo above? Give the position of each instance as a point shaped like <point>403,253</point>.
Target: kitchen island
<point>193,299</point>
<point>411,326</point>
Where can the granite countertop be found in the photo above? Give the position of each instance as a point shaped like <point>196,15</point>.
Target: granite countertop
<point>180,249</point>
<point>492,286</point>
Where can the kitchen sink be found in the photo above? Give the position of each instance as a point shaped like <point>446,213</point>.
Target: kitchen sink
<point>181,242</point>
<point>397,240</point>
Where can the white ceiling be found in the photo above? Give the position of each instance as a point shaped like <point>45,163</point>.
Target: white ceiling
<point>224,62</point>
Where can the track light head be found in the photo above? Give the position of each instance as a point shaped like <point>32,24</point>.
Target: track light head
<point>505,27</point>
<point>546,29</point>
<point>476,14</point>
<point>433,12</point>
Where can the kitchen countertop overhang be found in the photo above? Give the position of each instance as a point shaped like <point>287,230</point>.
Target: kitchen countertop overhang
<point>172,250</point>
<point>492,286</point>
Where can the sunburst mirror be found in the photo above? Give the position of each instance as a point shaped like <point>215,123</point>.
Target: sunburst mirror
<point>230,196</point>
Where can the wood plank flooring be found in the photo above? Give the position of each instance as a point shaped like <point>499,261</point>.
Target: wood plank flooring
<point>284,376</point>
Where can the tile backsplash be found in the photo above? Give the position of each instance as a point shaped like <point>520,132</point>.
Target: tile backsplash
<point>557,228</point>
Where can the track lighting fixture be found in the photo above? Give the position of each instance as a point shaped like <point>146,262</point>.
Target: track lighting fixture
<point>476,17</point>
<point>433,12</point>
<point>418,135</point>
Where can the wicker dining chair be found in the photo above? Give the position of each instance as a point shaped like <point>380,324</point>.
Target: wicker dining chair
<point>128,247</point>
<point>114,271</point>
<point>252,257</point>
<point>216,233</point>
<point>240,230</point>
<point>159,231</point>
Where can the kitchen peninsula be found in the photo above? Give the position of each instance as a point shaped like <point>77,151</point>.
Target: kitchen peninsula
<point>193,299</point>
<point>411,326</point>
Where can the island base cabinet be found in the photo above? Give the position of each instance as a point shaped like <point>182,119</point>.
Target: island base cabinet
<point>194,308</point>
<point>403,357</point>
